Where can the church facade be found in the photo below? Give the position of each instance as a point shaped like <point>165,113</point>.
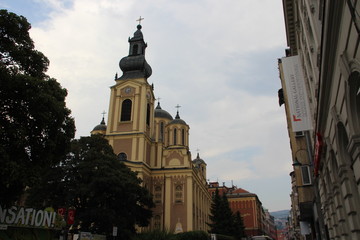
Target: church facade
<point>156,146</point>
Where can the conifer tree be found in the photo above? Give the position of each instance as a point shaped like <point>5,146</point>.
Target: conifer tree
<point>223,221</point>
<point>239,227</point>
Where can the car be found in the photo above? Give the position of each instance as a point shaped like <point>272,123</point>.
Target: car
<point>262,237</point>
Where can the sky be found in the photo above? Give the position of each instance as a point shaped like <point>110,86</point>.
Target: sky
<point>216,59</point>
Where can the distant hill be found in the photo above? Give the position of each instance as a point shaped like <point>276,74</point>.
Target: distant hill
<point>281,218</point>
<point>282,214</point>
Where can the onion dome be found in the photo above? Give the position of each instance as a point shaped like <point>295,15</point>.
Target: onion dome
<point>198,161</point>
<point>99,129</point>
<point>135,65</point>
<point>160,113</point>
<point>178,120</point>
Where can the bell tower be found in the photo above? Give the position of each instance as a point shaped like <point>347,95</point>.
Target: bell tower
<point>131,109</point>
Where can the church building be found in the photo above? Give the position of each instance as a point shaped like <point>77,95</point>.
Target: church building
<point>156,146</point>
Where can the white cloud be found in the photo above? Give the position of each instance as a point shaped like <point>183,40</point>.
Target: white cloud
<point>217,59</point>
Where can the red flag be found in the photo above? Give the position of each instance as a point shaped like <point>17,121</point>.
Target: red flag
<point>71,216</point>
<point>61,211</point>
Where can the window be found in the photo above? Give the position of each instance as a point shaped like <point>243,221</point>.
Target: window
<point>157,221</point>
<point>126,110</point>
<point>122,156</point>
<point>178,194</point>
<point>161,131</point>
<point>135,50</point>
<point>175,136</point>
<point>148,115</point>
<point>183,136</point>
<point>305,173</point>
<point>157,194</point>
<point>299,134</point>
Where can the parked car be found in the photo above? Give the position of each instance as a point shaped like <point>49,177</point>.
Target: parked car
<point>262,237</point>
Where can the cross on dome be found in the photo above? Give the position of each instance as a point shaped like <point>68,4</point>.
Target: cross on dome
<point>139,20</point>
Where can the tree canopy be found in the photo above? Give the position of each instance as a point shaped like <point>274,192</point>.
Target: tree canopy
<point>223,220</point>
<point>102,189</point>
<point>35,125</point>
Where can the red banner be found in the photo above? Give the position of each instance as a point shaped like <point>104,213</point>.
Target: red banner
<point>71,216</point>
<point>318,150</point>
<point>61,211</point>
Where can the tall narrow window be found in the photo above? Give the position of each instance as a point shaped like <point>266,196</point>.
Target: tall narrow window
<point>126,110</point>
<point>157,194</point>
<point>305,172</point>
<point>157,221</point>
<point>183,136</point>
<point>148,115</point>
<point>178,193</point>
<point>135,50</point>
<point>175,136</point>
<point>161,131</point>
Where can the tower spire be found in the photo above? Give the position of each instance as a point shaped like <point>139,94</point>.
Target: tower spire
<point>134,65</point>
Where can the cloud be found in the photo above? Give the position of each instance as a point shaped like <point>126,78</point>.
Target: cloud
<point>217,59</point>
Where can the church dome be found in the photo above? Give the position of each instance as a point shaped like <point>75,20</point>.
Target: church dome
<point>101,127</point>
<point>160,113</point>
<point>198,161</point>
<point>178,120</point>
<point>134,67</point>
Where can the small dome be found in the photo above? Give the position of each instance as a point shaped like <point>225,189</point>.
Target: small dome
<point>160,113</point>
<point>101,126</point>
<point>138,34</point>
<point>178,120</point>
<point>198,161</point>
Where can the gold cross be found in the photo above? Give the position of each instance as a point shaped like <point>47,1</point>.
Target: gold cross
<point>103,113</point>
<point>178,106</point>
<point>139,20</point>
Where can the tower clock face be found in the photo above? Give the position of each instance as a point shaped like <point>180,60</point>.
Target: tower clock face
<point>127,90</point>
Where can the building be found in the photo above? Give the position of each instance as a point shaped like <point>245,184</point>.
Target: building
<point>324,36</point>
<point>256,220</point>
<point>156,146</point>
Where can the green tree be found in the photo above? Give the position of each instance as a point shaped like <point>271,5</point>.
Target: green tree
<point>223,221</point>
<point>221,216</point>
<point>102,189</point>
<point>35,126</point>
<point>239,227</point>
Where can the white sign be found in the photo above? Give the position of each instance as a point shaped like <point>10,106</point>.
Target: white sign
<point>26,217</point>
<point>115,231</point>
<point>296,94</point>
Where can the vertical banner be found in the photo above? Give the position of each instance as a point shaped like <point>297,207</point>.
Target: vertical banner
<point>71,216</point>
<point>296,93</point>
<point>61,211</point>
<point>318,151</point>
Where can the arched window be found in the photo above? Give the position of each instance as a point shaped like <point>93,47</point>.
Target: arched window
<point>122,156</point>
<point>148,115</point>
<point>175,136</point>
<point>126,110</point>
<point>183,136</point>
<point>135,50</point>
